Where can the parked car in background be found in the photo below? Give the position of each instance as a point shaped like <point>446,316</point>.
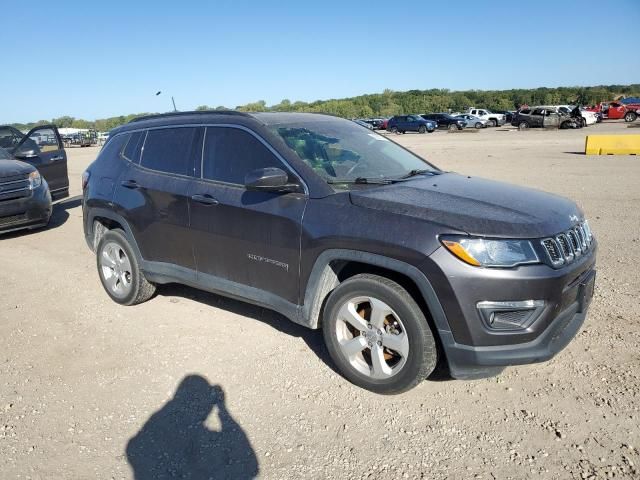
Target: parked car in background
<point>588,118</point>
<point>617,110</point>
<point>42,148</point>
<point>410,123</point>
<point>494,119</point>
<point>539,117</point>
<point>25,200</point>
<point>508,115</point>
<point>445,121</point>
<point>363,123</point>
<point>471,120</point>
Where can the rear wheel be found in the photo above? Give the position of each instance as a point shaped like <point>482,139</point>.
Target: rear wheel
<point>523,126</point>
<point>630,116</point>
<point>493,122</point>
<point>377,335</point>
<point>119,270</point>
<point>422,129</point>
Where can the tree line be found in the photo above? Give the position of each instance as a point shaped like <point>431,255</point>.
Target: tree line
<point>390,103</point>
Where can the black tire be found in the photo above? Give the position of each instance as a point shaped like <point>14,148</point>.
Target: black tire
<point>452,127</point>
<point>140,289</point>
<point>493,122</point>
<point>394,130</point>
<point>422,129</point>
<point>478,125</point>
<point>630,117</point>
<point>523,126</point>
<point>422,355</point>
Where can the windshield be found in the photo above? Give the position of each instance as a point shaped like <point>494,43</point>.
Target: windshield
<point>341,151</point>
<point>5,155</point>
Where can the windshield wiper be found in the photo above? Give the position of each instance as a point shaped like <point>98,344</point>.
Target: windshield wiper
<point>361,180</point>
<point>415,173</point>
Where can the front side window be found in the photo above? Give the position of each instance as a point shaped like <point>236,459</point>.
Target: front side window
<point>170,150</point>
<point>339,151</point>
<point>231,153</point>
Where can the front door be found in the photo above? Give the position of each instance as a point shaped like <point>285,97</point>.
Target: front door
<point>42,147</point>
<point>246,237</point>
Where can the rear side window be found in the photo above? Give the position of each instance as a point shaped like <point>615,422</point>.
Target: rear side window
<point>170,150</point>
<point>231,153</point>
<point>132,149</point>
<point>114,146</point>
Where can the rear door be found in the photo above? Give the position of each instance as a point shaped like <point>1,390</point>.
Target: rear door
<point>155,193</point>
<point>250,238</point>
<point>42,147</point>
<point>537,117</point>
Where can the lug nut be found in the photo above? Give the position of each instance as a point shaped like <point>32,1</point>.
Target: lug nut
<point>369,344</point>
<point>379,332</point>
<point>369,326</point>
<point>379,343</point>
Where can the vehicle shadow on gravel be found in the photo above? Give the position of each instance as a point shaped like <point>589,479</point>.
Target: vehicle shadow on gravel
<point>176,443</point>
<point>313,338</point>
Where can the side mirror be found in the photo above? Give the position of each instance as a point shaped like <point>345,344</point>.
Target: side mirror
<point>270,180</point>
<point>25,154</point>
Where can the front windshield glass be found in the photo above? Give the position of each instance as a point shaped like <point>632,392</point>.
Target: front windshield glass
<point>5,155</point>
<point>339,150</point>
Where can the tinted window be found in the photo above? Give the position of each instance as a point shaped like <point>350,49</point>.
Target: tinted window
<point>113,147</point>
<point>170,150</point>
<point>231,153</point>
<point>132,150</point>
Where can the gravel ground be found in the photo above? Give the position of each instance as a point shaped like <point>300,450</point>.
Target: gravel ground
<point>194,382</point>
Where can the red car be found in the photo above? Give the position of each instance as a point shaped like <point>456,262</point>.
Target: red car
<point>617,110</point>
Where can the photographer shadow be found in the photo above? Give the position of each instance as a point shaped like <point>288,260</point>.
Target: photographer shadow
<point>176,443</point>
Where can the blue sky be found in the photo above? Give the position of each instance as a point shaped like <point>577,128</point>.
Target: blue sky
<point>98,59</point>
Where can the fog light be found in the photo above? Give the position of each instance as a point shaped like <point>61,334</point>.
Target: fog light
<point>516,315</point>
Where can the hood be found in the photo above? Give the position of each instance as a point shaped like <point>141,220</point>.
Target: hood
<point>10,168</point>
<point>474,205</point>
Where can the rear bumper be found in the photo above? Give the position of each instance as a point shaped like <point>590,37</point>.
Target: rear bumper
<point>30,212</point>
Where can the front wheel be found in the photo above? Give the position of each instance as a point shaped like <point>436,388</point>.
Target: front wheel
<point>523,126</point>
<point>630,116</point>
<point>478,125</point>
<point>422,129</point>
<point>377,335</point>
<point>493,123</point>
<point>453,127</point>
<point>119,271</point>
<point>394,130</point>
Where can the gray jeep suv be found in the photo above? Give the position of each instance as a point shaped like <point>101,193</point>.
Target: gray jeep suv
<point>401,264</point>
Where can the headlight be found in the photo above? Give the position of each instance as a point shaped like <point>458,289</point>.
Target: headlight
<point>35,180</point>
<point>483,252</point>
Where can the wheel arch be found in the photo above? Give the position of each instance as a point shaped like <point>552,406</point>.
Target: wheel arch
<point>335,266</point>
<point>99,221</point>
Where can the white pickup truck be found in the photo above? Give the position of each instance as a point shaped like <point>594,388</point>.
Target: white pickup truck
<point>493,119</point>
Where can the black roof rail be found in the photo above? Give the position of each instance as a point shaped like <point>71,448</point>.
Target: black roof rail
<point>198,112</point>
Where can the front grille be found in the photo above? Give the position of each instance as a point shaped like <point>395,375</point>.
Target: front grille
<point>565,247</point>
<point>12,219</point>
<point>16,186</point>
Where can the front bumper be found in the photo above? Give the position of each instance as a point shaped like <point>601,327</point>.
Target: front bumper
<point>29,212</point>
<point>473,349</point>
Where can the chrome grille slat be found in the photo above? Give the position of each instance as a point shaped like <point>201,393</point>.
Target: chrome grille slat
<point>567,246</point>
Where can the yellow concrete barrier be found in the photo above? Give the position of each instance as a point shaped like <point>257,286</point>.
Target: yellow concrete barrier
<point>612,145</point>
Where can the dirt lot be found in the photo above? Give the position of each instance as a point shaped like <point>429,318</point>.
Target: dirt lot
<point>80,375</point>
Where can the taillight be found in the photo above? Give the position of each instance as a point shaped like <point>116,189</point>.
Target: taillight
<point>85,179</point>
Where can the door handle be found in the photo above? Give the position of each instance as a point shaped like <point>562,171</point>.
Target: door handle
<point>130,184</point>
<point>57,159</point>
<point>204,199</point>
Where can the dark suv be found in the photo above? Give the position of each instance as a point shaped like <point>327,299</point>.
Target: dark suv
<point>410,123</point>
<point>33,169</point>
<point>446,121</point>
<point>336,227</point>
